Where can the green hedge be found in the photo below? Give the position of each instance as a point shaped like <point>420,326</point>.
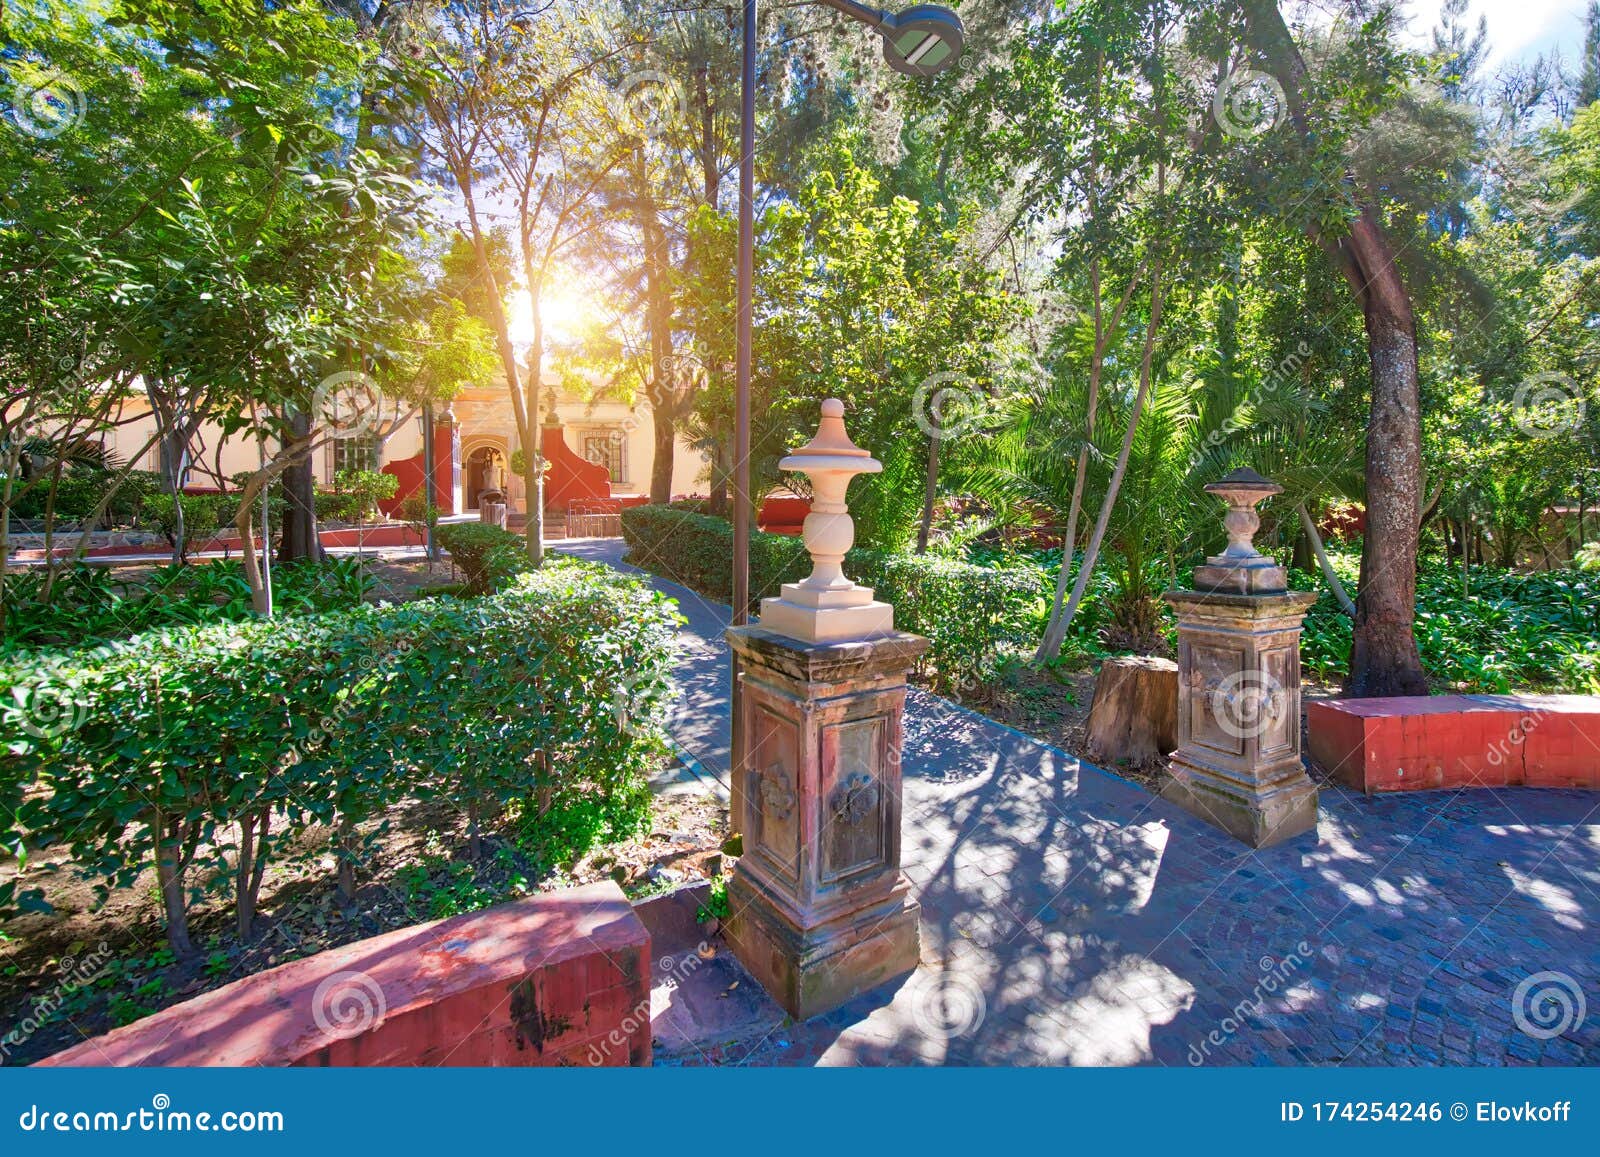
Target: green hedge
<point>967,611</point>
<point>548,697</point>
<point>80,489</point>
<point>489,557</point>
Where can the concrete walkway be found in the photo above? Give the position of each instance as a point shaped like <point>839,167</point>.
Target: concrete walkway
<point>1069,917</point>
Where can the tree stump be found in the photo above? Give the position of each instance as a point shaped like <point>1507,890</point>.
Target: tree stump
<point>1134,717</point>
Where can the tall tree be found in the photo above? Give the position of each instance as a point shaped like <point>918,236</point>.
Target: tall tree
<point>516,114</point>
<point>1384,659</point>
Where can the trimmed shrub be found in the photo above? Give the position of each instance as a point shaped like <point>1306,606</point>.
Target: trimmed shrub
<point>489,557</point>
<point>203,516</point>
<point>139,755</point>
<point>966,611</point>
<point>89,604</point>
<point>80,489</point>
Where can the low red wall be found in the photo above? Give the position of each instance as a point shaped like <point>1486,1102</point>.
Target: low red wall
<point>783,513</point>
<point>558,979</point>
<point>1454,741</point>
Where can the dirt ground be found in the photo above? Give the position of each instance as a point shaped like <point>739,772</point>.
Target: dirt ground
<point>98,966</point>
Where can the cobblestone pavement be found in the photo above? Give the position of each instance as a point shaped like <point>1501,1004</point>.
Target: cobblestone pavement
<point>1069,917</point>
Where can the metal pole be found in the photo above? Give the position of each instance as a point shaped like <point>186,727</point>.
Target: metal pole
<point>746,294</point>
<point>430,486</point>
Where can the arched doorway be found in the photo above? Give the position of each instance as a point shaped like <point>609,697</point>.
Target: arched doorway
<point>485,471</point>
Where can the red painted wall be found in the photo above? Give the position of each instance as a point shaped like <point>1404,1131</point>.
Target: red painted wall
<point>412,478</point>
<point>558,979</point>
<point>570,476</point>
<point>782,513</point>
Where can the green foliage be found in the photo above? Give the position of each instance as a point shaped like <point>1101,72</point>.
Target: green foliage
<point>529,697</point>
<point>968,612</point>
<point>716,905</point>
<point>488,556</point>
<point>79,490</point>
<point>366,488</point>
<point>1512,632</point>
<point>90,604</point>
<point>203,516</point>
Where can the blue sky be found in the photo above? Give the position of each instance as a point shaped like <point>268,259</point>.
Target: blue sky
<point>1518,29</point>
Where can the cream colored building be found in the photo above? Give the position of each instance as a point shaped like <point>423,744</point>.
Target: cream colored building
<point>611,434</point>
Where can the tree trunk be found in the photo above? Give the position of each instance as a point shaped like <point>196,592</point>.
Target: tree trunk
<point>719,480</point>
<point>666,434</point>
<point>170,878</point>
<point>298,528</point>
<point>929,494</point>
<point>1384,659</point>
<point>1133,719</point>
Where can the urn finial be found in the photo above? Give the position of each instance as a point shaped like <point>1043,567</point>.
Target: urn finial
<point>1240,568</point>
<point>827,606</point>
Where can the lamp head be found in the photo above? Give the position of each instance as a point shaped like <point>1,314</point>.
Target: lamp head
<point>922,40</point>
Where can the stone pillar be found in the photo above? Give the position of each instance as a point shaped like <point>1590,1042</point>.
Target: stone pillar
<point>819,911</point>
<point>1238,762</point>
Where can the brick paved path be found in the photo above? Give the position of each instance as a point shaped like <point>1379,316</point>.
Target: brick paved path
<point>1069,917</point>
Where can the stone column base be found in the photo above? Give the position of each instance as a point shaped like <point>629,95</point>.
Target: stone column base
<point>1259,816</point>
<point>811,971</point>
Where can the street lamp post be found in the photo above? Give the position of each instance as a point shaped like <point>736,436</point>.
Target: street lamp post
<point>430,488</point>
<point>921,41</point>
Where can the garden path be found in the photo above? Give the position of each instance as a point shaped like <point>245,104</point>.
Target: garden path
<point>1070,917</point>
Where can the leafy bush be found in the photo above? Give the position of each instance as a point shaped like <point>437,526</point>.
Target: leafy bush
<point>1510,632</point>
<point>416,511</point>
<point>338,506</point>
<point>489,557</point>
<point>80,489</point>
<point>366,488</point>
<point>967,611</point>
<point>141,754</point>
<point>697,551</point>
<point>203,515</point>
<point>90,604</point>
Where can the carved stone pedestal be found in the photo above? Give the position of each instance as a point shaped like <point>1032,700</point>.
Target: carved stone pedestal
<point>1238,759</point>
<point>819,911</point>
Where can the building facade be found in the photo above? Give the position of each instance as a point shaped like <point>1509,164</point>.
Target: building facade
<point>596,448</point>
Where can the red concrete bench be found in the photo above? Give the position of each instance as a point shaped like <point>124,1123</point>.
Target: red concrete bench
<point>558,979</point>
<point>1451,741</point>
